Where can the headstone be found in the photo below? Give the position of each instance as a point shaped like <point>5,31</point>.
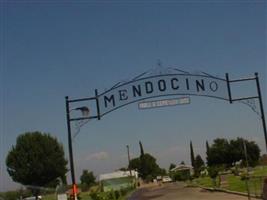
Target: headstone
<point>224,183</point>
<point>62,197</point>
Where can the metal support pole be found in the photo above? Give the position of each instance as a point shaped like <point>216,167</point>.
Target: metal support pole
<point>261,108</point>
<point>74,189</point>
<point>229,88</point>
<point>247,178</point>
<point>97,104</point>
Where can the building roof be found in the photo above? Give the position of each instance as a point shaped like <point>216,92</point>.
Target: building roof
<point>182,167</point>
<point>117,174</point>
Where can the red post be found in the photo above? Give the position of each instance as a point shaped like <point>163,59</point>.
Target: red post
<point>74,191</point>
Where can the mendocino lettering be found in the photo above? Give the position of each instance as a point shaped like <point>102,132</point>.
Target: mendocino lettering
<point>162,85</point>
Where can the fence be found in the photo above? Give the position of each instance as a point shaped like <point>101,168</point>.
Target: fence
<point>256,184</point>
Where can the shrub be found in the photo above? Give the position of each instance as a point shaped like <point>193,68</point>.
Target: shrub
<point>111,195</point>
<point>180,175</point>
<point>94,195</point>
<point>117,194</point>
<point>12,195</point>
<point>84,187</point>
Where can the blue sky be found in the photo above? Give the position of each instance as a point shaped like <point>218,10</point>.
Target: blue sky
<point>50,49</point>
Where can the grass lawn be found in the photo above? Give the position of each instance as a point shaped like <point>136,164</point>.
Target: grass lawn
<point>85,196</point>
<point>260,171</point>
<point>204,181</point>
<point>49,197</point>
<point>235,183</point>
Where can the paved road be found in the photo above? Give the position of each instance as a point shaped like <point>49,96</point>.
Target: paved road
<point>177,191</point>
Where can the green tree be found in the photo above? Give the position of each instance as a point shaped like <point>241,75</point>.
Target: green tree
<point>36,159</point>
<point>161,172</point>
<point>192,155</point>
<point>223,152</point>
<point>134,164</point>
<point>236,149</point>
<point>214,172</point>
<point>146,165</point>
<point>219,152</point>
<point>199,163</point>
<point>87,180</point>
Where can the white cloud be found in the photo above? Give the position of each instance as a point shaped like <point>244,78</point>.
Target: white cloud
<point>98,156</point>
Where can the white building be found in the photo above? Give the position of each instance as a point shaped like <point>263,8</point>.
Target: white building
<point>183,167</point>
<point>118,174</point>
<point>118,180</point>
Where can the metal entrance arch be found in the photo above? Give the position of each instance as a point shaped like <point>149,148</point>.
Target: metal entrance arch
<point>147,86</point>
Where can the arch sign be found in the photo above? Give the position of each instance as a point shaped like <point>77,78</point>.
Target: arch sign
<point>160,85</point>
<point>168,84</point>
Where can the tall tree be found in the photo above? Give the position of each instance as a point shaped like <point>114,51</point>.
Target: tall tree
<point>141,149</point>
<point>143,164</point>
<point>207,146</point>
<point>207,151</point>
<point>192,155</point>
<point>36,159</point>
<point>199,163</point>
